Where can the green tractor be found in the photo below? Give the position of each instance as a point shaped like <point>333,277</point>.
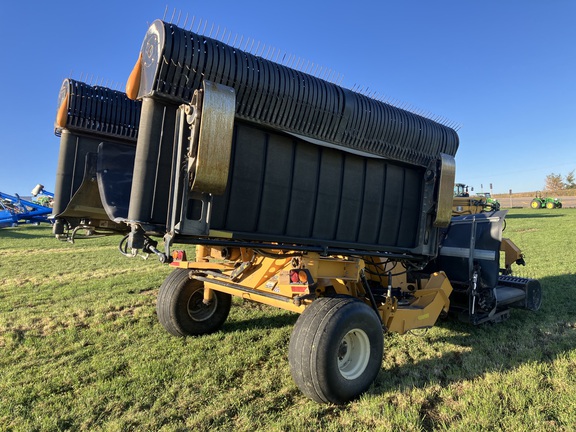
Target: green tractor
<point>545,202</point>
<point>492,204</point>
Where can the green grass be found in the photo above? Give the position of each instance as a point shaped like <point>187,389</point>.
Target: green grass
<point>81,349</point>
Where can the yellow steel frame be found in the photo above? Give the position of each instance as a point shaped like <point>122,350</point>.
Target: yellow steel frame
<point>512,253</point>
<point>423,312</point>
<point>292,281</point>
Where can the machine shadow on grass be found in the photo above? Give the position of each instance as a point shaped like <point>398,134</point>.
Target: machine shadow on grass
<point>533,216</point>
<point>24,232</point>
<point>539,336</point>
<point>268,322</point>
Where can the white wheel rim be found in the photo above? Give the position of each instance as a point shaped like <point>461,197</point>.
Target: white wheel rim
<point>353,354</point>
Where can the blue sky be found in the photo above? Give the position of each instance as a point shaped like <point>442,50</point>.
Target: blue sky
<point>505,70</point>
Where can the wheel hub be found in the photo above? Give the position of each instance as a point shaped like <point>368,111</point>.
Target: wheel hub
<point>353,354</point>
<point>197,309</point>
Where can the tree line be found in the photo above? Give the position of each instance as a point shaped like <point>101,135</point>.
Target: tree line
<point>555,182</point>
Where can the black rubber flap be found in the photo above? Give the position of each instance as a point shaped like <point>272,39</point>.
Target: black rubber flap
<point>114,174</point>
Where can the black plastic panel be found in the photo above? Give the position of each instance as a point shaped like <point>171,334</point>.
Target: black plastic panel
<point>114,175</point>
<point>487,239</point>
<point>71,167</point>
<point>149,199</point>
<point>283,189</point>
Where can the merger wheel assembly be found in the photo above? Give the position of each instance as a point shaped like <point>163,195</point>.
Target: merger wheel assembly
<point>181,309</point>
<point>336,349</point>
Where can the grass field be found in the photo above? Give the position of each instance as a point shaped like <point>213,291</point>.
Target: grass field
<point>81,349</point>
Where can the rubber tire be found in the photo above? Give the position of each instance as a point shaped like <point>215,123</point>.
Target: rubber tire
<point>172,306</point>
<point>315,343</point>
<point>535,204</point>
<point>550,205</point>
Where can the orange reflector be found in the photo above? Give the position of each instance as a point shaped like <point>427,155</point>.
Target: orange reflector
<point>179,255</point>
<point>300,277</point>
<point>62,115</point>
<point>133,83</point>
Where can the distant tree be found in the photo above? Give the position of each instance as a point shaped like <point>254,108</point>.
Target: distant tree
<point>554,182</point>
<point>570,180</point>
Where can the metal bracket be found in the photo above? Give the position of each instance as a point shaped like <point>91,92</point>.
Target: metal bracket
<point>211,119</point>
<point>445,190</point>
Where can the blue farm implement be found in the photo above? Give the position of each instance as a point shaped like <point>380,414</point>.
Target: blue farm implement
<point>15,210</point>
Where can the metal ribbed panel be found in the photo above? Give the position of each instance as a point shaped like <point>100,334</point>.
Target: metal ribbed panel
<point>175,61</point>
<point>98,110</point>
